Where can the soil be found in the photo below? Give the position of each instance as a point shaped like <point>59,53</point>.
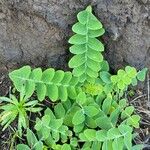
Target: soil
<point>141,103</point>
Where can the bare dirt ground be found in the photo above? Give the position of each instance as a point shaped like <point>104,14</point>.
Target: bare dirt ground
<point>141,102</point>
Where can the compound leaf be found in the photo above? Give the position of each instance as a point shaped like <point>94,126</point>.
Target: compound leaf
<point>54,84</point>
<point>87,58</point>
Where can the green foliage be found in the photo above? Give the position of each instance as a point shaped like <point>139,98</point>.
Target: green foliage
<point>90,123</point>
<point>54,84</point>
<point>124,77</point>
<point>128,76</point>
<point>14,108</point>
<point>51,129</point>
<point>32,141</point>
<point>86,62</point>
<point>87,110</point>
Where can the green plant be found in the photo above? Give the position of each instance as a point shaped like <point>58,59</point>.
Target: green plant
<point>34,144</point>
<point>32,141</point>
<point>92,113</point>
<point>87,49</point>
<point>54,84</point>
<point>51,129</point>
<point>14,108</point>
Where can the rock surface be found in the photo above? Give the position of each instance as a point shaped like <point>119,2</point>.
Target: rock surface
<point>36,32</point>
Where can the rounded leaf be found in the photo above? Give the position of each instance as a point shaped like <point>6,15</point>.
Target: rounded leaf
<point>96,33</point>
<point>81,98</point>
<point>52,92</point>
<point>23,147</point>
<point>78,49</point>
<point>77,39</point>
<point>58,77</point>
<point>104,65</point>
<point>82,17</point>
<point>66,147</point>
<point>93,23</point>
<point>77,61</point>
<point>90,134</point>
<point>105,76</point>
<point>79,28</point>
<point>78,118</point>
<point>48,75</point>
<point>91,111</point>
<point>95,44</point>
<point>59,111</point>
<point>63,94</point>
<point>142,74</point>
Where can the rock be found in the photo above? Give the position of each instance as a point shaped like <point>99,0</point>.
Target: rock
<point>4,81</point>
<point>142,1</point>
<point>133,42</point>
<point>36,32</point>
<point>2,15</point>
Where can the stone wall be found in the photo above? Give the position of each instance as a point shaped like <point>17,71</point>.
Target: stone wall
<point>36,32</point>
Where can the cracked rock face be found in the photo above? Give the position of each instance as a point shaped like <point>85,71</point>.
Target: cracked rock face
<point>36,32</point>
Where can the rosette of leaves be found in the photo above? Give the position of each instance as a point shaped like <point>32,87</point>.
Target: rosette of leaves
<point>86,62</point>
<point>14,108</point>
